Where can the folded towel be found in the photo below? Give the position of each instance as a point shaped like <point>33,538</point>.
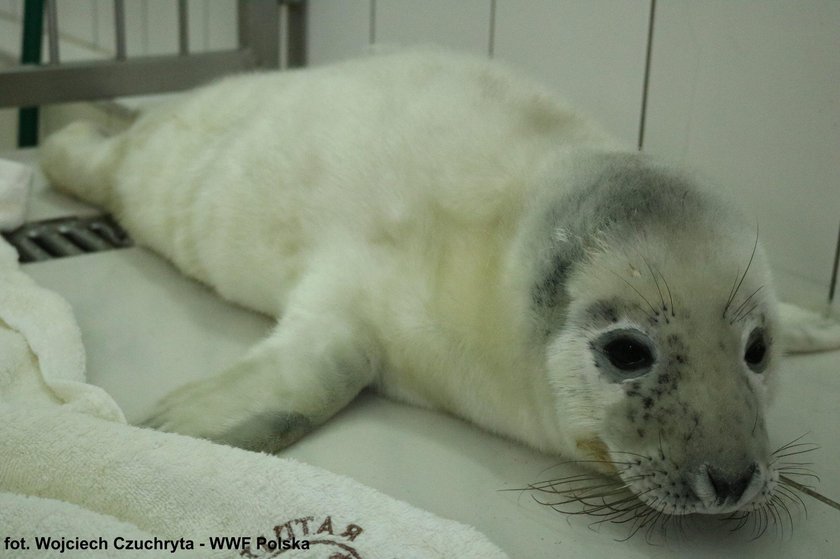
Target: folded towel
<point>15,181</point>
<point>177,487</point>
<point>74,475</point>
<point>42,360</point>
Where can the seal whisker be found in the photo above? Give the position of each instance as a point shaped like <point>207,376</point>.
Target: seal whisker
<point>629,453</point>
<point>731,292</point>
<point>655,314</point>
<point>786,464</point>
<point>651,527</point>
<point>670,296</point>
<point>641,519</point>
<point>774,513</point>
<point>796,453</point>
<point>656,283</point>
<point>765,522</point>
<point>620,516</point>
<point>757,524</point>
<point>744,303</point>
<point>589,494</point>
<point>557,487</point>
<point>577,462</point>
<point>801,472</point>
<point>744,275</point>
<point>746,314</point>
<point>783,490</point>
<point>791,443</point>
<point>780,503</point>
<point>741,521</point>
<point>584,493</point>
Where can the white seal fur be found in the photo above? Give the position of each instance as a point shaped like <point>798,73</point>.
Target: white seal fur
<point>452,235</point>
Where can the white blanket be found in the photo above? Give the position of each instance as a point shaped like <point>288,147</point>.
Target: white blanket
<point>76,481</point>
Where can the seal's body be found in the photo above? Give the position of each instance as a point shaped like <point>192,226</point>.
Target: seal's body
<point>455,237</point>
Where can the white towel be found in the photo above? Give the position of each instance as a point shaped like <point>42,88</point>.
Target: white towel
<point>15,182</point>
<point>73,471</point>
<point>178,487</point>
<point>42,360</point>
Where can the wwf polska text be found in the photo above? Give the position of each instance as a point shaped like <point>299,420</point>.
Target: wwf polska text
<point>65,544</point>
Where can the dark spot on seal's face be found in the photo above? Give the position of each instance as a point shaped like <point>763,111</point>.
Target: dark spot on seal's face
<point>602,312</point>
<point>633,389</point>
<point>647,403</point>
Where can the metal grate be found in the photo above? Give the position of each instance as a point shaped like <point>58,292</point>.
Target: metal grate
<point>67,236</point>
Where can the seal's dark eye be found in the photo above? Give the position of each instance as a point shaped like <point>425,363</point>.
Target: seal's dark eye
<point>756,353</point>
<point>623,354</point>
<point>628,354</point>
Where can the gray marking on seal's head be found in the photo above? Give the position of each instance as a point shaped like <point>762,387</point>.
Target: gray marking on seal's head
<point>549,292</point>
<point>625,194</point>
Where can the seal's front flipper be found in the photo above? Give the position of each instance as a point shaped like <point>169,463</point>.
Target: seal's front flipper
<point>310,367</point>
<point>807,331</point>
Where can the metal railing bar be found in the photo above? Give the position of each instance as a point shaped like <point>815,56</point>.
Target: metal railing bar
<point>259,23</point>
<point>26,85</point>
<point>52,31</point>
<point>183,28</point>
<point>119,28</point>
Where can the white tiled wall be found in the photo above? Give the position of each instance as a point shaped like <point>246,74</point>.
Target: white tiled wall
<point>592,53</point>
<point>749,92</point>
<point>338,29</point>
<point>463,25</point>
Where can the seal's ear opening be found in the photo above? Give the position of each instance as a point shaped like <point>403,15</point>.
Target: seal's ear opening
<point>623,354</point>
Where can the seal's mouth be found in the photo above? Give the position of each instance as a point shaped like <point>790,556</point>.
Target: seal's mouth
<point>635,490</point>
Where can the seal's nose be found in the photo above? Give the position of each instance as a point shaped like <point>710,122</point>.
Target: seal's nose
<point>730,488</point>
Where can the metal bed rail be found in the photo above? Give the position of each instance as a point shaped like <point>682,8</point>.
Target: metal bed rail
<point>259,48</point>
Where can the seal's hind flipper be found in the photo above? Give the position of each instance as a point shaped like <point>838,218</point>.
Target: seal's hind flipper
<point>806,331</point>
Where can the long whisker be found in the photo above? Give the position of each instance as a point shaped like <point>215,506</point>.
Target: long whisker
<point>613,500</point>
<point>731,292</point>
<point>792,443</point>
<point>670,296</point>
<point>737,311</point>
<point>656,283</point>
<point>741,281</point>
<point>630,285</point>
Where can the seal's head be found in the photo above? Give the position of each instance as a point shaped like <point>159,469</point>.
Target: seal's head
<point>660,297</point>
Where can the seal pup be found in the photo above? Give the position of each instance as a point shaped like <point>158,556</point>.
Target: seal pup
<point>444,231</point>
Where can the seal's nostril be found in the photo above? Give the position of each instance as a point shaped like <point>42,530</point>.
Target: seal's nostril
<point>729,487</point>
